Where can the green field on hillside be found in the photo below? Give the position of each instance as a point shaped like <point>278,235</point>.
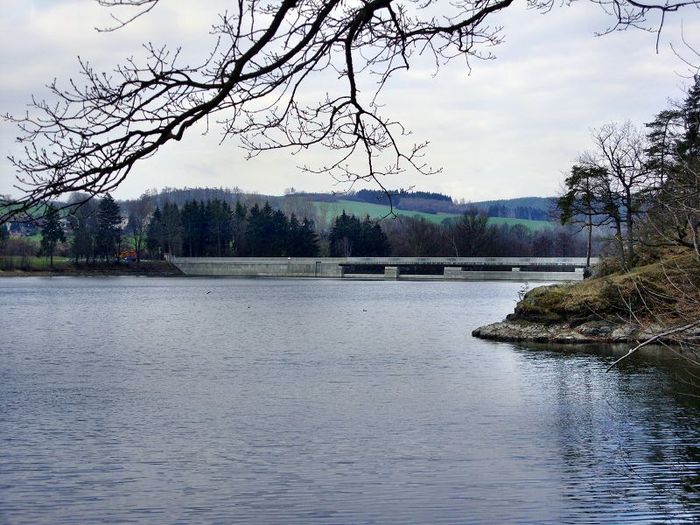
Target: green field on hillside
<point>376,211</point>
<point>37,210</point>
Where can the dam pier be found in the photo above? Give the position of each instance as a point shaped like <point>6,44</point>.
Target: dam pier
<point>389,268</point>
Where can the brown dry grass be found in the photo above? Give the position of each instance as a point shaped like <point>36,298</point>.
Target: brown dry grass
<point>665,292</point>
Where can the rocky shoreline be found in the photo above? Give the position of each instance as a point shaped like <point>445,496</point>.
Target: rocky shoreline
<point>594,311</point>
<point>590,332</point>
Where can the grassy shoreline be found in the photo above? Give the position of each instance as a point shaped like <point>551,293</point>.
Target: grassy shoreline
<point>40,267</point>
<point>621,307</point>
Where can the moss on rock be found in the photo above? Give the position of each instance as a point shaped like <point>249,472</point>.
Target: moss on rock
<point>618,307</point>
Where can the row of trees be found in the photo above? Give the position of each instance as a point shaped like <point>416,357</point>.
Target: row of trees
<point>472,235</point>
<point>96,231</point>
<point>214,228</point>
<point>351,237</point>
<point>643,187</point>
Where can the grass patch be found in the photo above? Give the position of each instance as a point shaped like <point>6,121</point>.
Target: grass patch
<point>661,291</point>
<point>32,263</point>
<point>528,223</point>
<point>376,211</point>
<point>18,265</point>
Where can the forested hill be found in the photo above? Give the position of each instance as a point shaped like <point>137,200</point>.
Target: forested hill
<point>534,208</point>
<point>423,202</point>
<point>181,196</point>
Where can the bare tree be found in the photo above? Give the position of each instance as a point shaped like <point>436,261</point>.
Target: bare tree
<point>472,234</point>
<point>665,300</point>
<point>253,85</point>
<point>620,159</point>
<point>137,224</point>
<point>416,237</point>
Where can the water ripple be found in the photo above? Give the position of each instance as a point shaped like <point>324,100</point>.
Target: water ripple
<point>146,400</point>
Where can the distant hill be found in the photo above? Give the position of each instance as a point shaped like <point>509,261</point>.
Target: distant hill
<point>180,196</point>
<point>534,208</point>
<point>530,208</point>
<point>532,212</point>
<point>377,211</point>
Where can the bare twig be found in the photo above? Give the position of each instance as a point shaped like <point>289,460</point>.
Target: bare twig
<point>254,85</point>
<point>654,339</point>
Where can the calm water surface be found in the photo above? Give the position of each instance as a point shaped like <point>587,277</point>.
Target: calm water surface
<point>126,400</point>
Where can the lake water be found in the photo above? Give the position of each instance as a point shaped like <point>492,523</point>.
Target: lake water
<point>130,400</point>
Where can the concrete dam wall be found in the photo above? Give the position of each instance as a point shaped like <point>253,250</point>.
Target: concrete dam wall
<point>389,268</point>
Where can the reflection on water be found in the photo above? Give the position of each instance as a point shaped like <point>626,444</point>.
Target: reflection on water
<point>204,400</point>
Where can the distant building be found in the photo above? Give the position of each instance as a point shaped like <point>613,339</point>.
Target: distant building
<point>127,255</point>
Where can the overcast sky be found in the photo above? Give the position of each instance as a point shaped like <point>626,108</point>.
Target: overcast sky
<point>512,127</point>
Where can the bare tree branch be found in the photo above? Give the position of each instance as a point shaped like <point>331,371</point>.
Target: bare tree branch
<point>254,85</point>
<point>654,339</point>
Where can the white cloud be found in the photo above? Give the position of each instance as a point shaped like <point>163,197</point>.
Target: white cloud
<point>509,128</point>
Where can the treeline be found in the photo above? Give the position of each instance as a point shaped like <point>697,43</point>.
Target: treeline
<point>518,212</point>
<point>215,229</point>
<point>641,188</point>
<point>91,232</point>
<point>182,196</point>
<point>350,237</point>
<point>536,209</point>
<point>472,236</point>
<point>96,231</point>
<point>397,196</point>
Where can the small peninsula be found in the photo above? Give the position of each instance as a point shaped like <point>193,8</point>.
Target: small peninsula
<point>653,301</point>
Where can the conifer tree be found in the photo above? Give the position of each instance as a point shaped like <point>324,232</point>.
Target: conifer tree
<point>154,234</point>
<point>83,224</point>
<point>582,203</point>
<point>108,235</point>
<point>52,233</point>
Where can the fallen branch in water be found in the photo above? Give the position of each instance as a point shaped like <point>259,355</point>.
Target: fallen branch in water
<point>654,339</point>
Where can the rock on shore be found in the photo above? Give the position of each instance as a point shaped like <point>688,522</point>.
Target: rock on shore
<point>561,333</point>
<point>658,296</point>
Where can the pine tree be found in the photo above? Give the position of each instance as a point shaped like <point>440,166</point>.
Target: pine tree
<point>83,224</point>
<point>108,237</point>
<point>373,240</point>
<point>254,231</point>
<point>350,237</point>
<point>52,233</point>
<point>154,234</point>
<point>4,233</point>
<point>279,233</point>
<point>309,239</point>
<point>582,203</point>
<point>689,146</point>
<point>219,228</point>
<point>674,151</point>
<point>344,235</point>
<point>302,241</point>
<point>239,226</point>
<point>193,231</point>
